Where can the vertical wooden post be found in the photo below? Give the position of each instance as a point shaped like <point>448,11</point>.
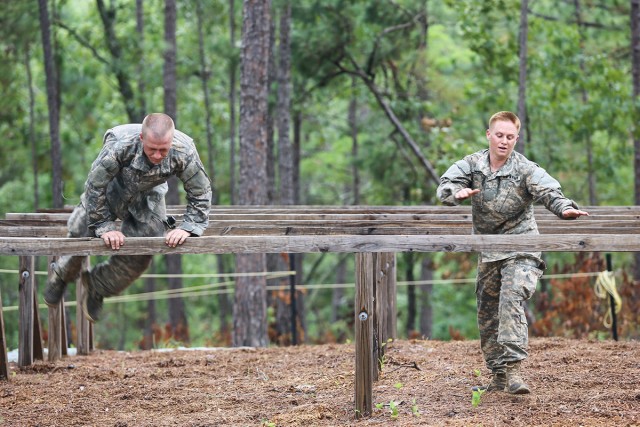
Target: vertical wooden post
<point>4,359</point>
<point>385,303</point>
<point>82,324</point>
<point>56,325</point>
<point>392,297</point>
<point>25,333</point>
<point>364,313</point>
<point>380,312</point>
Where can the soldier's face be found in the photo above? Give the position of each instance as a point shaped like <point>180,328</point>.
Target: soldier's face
<point>502,136</point>
<point>156,149</point>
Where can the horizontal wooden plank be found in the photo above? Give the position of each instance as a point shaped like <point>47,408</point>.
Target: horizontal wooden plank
<point>49,232</point>
<point>337,243</point>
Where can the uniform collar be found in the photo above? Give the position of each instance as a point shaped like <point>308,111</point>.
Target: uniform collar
<point>505,170</point>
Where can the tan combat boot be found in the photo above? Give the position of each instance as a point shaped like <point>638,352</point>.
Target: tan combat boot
<point>92,301</point>
<point>515,383</point>
<point>498,383</point>
<point>54,290</point>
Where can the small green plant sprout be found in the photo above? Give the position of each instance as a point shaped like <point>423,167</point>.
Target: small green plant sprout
<point>475,397</point>
<point>267,423</point>
<point>414,408</point>
<point>477,372</point>
<point>393,408</point>
<point>382,361</point>
<point>398,386</point>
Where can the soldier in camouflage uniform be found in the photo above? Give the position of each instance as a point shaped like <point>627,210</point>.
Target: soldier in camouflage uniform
<point>503,186</point>
<point>128,181</point>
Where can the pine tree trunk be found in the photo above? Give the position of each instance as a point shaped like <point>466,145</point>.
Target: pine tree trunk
<point>232,102</point>
<point>425,297</point>
<point>177,314</point>
<point>53,105</point>
<point>249,312</point>
<point>522,79</point>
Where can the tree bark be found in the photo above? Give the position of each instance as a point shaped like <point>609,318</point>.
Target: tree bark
<point>353,127</point>
<point>32,133</point>
<point>108,17</point>
<point>53,105</point>
<point>425,297</point>
<point>250,296</point>
<point>141,59</point>
<point>411,294</point>
<point>232,102</point>
<point>177,314</point>
<point>283,110</point>
<point>272,76</point>
<point>522,78</point>
<point>586,133</point>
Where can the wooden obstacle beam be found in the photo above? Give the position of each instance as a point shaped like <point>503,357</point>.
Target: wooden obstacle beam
<point>617,231</point>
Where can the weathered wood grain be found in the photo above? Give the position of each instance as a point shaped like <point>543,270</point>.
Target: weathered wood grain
<point>335,243</point>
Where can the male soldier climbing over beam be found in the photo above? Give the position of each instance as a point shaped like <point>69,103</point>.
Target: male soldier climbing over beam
<point>128,181</point>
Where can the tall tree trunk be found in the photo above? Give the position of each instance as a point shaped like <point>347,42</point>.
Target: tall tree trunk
<point>141,55</point>
<point>411,294</point>
<point>283,110</point>
<point>297,129</point>
<point>204,78</point>
<point>522,78</point>
<point>272,76</point>
<point>53,105</point>
<point>232,102</point>
<point>108,18</point>
<point>425,297</point>
<point>249,314</point>
<point>32,133</point>
<point>177,314</point>
<point>338,293</point>
<point>288,312</point>
<point>299,258</point>
<point>635,72</point>
<point>586,132</point>
<point>274,299</point>
<point>150,321</point>
<point>353,127</point>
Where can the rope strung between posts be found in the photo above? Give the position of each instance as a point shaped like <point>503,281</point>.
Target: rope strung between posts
<point>604,286</point>
<point>214,288</point>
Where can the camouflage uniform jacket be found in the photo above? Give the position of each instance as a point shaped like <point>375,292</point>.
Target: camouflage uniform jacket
<point>123,183</point>
<point>505,202</point>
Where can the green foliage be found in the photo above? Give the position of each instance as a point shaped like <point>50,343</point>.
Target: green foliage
<point>579,100</point>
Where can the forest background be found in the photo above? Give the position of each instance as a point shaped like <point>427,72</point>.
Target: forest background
<point>368,102</point>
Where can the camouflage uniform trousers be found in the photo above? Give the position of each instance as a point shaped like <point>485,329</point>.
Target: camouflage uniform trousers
<point>501,288</point>
<point>114,275</point>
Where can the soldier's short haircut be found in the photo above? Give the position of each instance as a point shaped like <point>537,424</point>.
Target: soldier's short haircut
<point>158,125</point>
<point>505,116</point>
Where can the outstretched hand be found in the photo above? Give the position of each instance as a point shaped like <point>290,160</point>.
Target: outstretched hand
<point>574,213</point>
<point>465,193</point>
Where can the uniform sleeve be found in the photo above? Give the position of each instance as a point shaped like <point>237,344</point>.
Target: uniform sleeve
<point>546,190</point>
<point>197,186</point>
<point>103,169</point>
<point>457,177</point>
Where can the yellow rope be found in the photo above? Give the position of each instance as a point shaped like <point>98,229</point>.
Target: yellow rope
<point>604,286</point>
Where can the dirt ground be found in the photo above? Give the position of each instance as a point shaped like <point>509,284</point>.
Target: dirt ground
<point>585,383</point>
